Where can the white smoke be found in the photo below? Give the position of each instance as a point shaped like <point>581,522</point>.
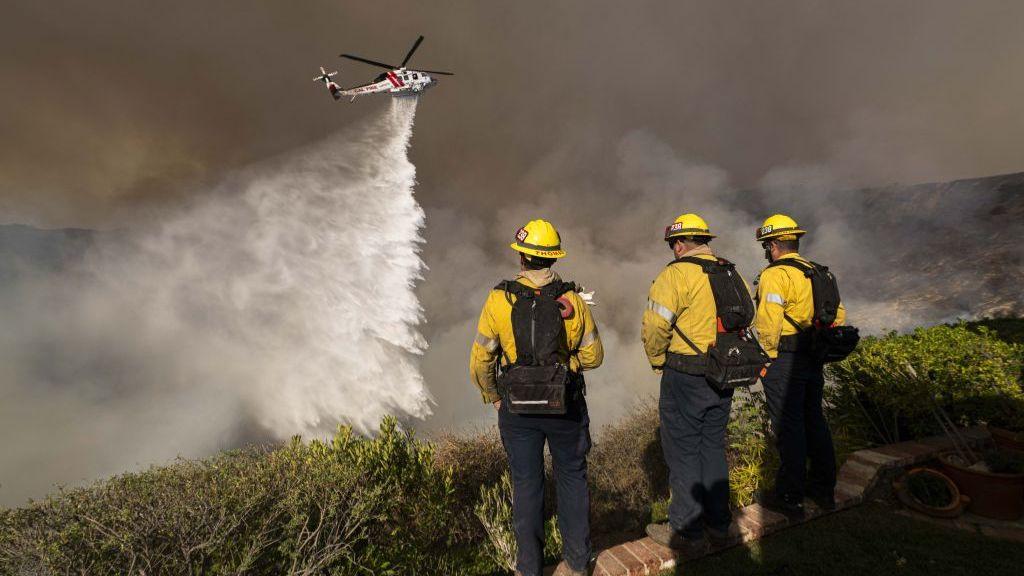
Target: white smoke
<point>280,301</point>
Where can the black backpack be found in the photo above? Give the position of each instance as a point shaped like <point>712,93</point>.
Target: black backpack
<point>827,343</point>
<point>538,382</point>
<point>736,359</point>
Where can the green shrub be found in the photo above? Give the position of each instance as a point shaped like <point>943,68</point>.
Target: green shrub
<point>888,388</point>
<point>752,460</point>
<point>349,506</point>
<point>1010,330</point>
<point>494,511</point>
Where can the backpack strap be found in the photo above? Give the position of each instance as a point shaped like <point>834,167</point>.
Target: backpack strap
<point>520,290</point>
<point>704,265</point>
<point>789,319</point>
<point>556,289</point>
<point>514,288</point>
<point>808,270</point>
<point>685,339</point>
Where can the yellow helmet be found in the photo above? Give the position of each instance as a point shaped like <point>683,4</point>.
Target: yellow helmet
<point>688,225</point>
<point>779,227</point>
<point>538,238</point>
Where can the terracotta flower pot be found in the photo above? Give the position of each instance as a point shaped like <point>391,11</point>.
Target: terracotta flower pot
<point>1007,439</point>
<point>954,508</point>
<point>999,496</point>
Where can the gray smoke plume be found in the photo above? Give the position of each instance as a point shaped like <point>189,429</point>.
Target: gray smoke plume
<point>280,302</point>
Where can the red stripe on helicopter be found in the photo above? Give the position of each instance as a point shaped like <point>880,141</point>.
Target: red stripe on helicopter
<point>395,80</point>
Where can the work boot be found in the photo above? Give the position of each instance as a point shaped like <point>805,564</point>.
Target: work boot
<point>825,503</point>
<point>789,507</point>
<point>719,538</point>
<point>564,569</point>
<point>686,547</point>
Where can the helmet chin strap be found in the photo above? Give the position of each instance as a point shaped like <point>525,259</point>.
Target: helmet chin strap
<point>767,245</point>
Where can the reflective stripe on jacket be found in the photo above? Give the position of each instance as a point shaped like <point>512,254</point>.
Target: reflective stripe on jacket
<point>784,289</point>
<point>582,349</point>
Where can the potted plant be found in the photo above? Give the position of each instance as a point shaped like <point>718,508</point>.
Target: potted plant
<point>994,483</point>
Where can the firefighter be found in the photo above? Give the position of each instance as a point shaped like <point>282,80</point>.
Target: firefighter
<point>576,346</point>
<point>794,381</point>
<point>679,325</point>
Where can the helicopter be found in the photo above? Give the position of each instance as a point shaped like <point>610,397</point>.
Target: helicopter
<point>397,81</point>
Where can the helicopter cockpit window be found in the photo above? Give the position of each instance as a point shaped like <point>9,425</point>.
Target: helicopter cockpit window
<point>415,76</point>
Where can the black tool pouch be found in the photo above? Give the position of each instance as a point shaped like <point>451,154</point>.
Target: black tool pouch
<point>535,389</point>
<point>834,343</point>
<point>692,364</point>
<point>734,362</point>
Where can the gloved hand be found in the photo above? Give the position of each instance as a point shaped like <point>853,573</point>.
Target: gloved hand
<point>587,297</point>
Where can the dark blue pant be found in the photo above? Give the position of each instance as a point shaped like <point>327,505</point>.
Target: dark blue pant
<point>568,439</point>
<point>694,416</point>
<point>793,389</point>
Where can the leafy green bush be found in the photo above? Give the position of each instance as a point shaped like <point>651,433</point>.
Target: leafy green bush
<point>890,386</point>
<point>349,506</point>
<point>494,511</point>
<point>1009,330</point>
<point>752,460</point>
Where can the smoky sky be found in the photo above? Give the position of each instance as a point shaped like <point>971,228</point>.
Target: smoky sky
<point>110,105</point>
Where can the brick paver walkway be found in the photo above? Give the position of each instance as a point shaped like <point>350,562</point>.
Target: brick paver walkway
<point>858,475</point>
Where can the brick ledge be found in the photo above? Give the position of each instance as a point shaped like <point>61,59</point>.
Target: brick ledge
<point>857,476</point>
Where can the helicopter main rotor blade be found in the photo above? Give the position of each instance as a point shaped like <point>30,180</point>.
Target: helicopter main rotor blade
<point>412,50</point>
<point>367,61</point>
<point>438,72</point>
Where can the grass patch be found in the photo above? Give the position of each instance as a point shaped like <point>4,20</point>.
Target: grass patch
<point>866,540</point>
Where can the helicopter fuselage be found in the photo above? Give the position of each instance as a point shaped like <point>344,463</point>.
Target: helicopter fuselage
<point>396,82</point>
